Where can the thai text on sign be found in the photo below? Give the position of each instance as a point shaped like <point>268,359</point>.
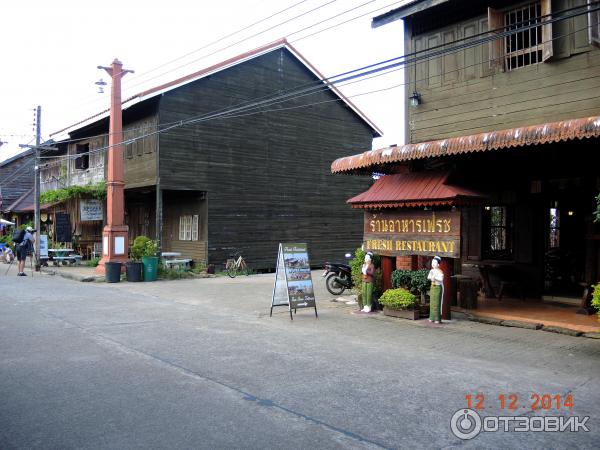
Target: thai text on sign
<point>403,233</point>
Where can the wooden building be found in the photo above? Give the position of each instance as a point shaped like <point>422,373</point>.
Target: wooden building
<point>238,178</point>
<point>504,132</point>
<point>16,180</point>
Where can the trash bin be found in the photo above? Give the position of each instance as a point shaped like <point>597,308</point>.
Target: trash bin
<point>133,271</point>
<point>150,267</point>
<point>112,272</point>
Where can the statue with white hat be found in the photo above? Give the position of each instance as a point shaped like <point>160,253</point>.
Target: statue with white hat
<point>436,294</point>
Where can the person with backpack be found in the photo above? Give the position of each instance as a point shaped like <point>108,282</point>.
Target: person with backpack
<point>24,241</point>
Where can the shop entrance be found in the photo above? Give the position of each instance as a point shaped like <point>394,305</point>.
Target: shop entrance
<point>564,256</point>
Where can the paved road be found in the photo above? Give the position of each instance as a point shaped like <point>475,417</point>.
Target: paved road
<point>200,364</point>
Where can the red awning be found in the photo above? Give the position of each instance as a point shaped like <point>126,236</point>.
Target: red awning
<point>565,130</point>
<point>414,189</point>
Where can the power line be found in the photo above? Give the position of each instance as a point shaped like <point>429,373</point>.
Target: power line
<point>262,32</point>
<point>227,113</point>
<point>489,36</point>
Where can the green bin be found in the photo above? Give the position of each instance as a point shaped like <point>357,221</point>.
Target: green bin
<point>150,267</point>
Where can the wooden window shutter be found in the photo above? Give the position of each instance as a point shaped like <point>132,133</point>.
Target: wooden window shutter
<point>188,228</point>
<point>594,18</point>
<point>547,31</point>
<point>496,25</point>
<point>182,228</point>
<point>195,227</point>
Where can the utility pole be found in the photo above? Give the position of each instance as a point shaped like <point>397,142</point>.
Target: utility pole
<point>36,183</point>
<point>115,234</point>
<point>36,186</point>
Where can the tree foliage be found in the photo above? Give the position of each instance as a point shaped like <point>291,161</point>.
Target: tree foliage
<point>97,190</point>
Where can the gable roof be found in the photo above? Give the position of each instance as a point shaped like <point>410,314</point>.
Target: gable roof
<point>14,158</point>
<point>223,65</point>
<point>412,190</point>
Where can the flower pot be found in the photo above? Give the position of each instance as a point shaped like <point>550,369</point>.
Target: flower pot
<point>133,271</point>
<point>150,267</point>
<point>412,314</point>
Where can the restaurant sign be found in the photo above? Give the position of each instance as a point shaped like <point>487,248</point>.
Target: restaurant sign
<point>404,233</point>
<point>90,209</point>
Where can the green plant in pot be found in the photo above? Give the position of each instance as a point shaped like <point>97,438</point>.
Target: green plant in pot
<point>400,302</point>
<point>147,250</point>
<point>134,267</point>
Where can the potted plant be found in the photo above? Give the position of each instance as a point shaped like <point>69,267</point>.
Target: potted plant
<point>133,268</point>
<point>149,258</point>
<point>416,282</point>
<point>400,303</point>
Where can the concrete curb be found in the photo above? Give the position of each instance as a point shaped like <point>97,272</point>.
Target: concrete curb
<point>562,330</point>
<point>522,324</point>
<point>531,326</point>
<point>74,276</point>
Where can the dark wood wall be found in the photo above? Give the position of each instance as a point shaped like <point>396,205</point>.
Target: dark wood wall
<point>140,155</point>
<point>267,176</point>
<point>463,95</point>
<point>175,205</point>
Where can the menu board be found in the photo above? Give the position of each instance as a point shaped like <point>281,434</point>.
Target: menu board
<point>293,282</point>
<point>63,227</point>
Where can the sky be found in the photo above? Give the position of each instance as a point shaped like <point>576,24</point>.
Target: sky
<point>51,50</point>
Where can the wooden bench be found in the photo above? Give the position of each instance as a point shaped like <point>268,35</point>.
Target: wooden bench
<point>177,263</point>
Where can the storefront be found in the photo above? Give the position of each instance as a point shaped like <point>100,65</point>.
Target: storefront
<point>510,209</point>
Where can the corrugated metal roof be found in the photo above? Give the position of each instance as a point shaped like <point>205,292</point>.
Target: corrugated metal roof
<point>25,203</point>
<point>494,140</point>
<point>413,189</point>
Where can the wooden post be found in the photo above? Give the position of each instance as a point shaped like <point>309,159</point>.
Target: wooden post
<point>388,265</point>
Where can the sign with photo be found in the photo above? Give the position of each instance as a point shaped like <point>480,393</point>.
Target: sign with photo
<point>90,209</point>
<point>293,282</point>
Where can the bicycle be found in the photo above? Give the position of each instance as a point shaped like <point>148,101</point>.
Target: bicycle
<point>236,265</point>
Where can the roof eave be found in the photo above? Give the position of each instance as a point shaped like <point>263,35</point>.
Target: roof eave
<point>404,11</point>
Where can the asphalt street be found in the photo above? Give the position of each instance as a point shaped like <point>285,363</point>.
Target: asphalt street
<point>200,364</point>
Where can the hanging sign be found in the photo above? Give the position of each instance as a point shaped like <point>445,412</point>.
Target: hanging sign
<point>293,283</point>
<point>90,209</point>
<point>404,233</point>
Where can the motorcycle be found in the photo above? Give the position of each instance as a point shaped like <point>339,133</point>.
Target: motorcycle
<point>338,277</point>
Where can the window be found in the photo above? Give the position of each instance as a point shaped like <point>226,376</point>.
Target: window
<point>554,228</point>
<point>594,18</point>
<point>521,47</point>
<point>82,162</point>
<point>497,232</point>
<point>188,228</point>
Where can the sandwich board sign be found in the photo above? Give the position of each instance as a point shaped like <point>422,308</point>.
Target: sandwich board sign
<point>293,283</point>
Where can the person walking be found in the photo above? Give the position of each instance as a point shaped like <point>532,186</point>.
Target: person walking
<point>23,249</point>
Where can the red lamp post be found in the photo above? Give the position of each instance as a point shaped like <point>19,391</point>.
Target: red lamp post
<point>115,233</point>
